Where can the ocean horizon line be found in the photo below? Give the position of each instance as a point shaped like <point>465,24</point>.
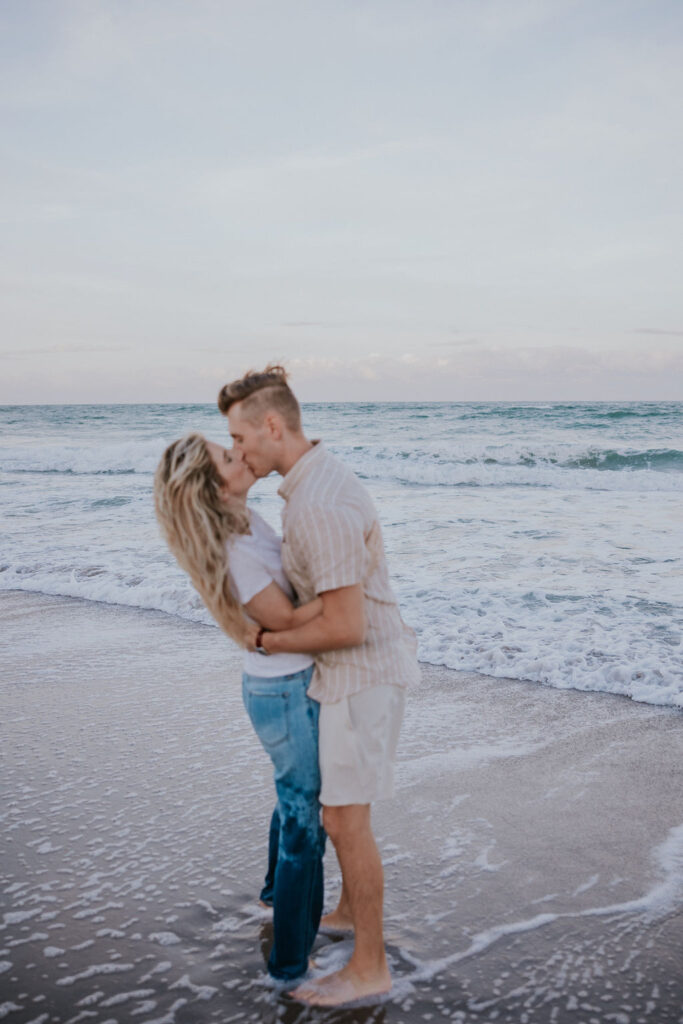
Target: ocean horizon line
<point>365,401</point>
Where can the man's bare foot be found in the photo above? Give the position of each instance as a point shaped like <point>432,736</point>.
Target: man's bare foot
<point>345,986</point>
<point>336,921</point>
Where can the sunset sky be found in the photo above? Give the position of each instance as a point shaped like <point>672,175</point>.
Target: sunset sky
<point>401,199</point>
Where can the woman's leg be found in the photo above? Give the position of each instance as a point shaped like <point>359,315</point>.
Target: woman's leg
<point>286,721</point>
<point>266,894</point>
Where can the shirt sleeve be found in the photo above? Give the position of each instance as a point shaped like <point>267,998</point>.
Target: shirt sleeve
<point>248,576</point>
<point>334,544</point>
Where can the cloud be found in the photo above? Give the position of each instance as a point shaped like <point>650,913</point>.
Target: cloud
<point>310,323</point>
<point>337,179</point>
<point>494,373</point>
<point>658,331</point>
<point>482,373</point>
<point>455,342</point>
<point>57,350</point>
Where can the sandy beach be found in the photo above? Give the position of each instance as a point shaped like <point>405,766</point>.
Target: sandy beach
<point>533,854</point>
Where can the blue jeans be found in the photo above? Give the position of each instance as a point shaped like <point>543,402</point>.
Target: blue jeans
<point>268,890</point>
<point>285,720</point>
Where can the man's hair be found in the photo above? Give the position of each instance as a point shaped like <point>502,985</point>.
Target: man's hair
<point>261,392</point>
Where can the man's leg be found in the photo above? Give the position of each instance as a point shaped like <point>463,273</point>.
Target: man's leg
<point>358,739</point>
<point>339,919</point>
<point>366,973</point>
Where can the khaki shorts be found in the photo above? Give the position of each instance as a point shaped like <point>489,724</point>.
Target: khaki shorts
<point>358,740</point>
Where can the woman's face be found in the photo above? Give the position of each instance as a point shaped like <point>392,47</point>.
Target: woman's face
<point>236,476</point>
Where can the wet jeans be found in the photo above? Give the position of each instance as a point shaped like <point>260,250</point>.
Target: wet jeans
<point>266,894</point>
<point>286,722</point>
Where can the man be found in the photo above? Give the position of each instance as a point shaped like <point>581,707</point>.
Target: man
<point>365,655</point>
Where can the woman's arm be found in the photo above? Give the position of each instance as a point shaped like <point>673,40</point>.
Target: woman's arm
<point>341,624</point>
<point>272,609</point>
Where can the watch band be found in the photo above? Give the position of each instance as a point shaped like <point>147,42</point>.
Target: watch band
<point>259,642</point>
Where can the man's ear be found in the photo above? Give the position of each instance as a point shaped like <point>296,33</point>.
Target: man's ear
<point>273,424</point>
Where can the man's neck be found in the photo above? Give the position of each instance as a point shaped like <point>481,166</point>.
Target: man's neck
<point>296,447</point>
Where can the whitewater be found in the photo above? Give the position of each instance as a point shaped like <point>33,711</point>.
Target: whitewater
<point>538,541</point>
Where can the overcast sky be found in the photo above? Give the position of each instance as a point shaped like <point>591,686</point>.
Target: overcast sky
<point>401,199</point>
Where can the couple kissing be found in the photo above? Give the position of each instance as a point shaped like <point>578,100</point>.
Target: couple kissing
<point>326,664</point>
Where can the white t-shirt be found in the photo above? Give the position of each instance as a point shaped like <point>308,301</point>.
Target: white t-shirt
<point>255,561</point>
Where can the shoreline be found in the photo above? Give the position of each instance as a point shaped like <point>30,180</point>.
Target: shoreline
<point>426,666</point>
<point>533,853</point>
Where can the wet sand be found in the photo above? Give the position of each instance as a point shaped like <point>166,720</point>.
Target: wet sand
<point>533,854</point>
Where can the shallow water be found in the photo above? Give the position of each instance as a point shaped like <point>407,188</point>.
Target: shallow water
<point>533,855</point>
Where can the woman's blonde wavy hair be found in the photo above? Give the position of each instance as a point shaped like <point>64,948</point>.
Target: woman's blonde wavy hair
<point>197,522</point>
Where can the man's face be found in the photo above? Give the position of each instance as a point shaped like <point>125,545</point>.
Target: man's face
<point>253,441</point>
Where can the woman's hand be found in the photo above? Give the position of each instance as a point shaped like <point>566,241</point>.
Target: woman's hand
<point>251,634</point>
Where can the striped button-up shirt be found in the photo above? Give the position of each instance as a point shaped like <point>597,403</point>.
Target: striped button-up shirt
<point>332,539</point>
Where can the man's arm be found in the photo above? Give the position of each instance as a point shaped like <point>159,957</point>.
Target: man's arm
<point>341,624</point>
<point>272,609</point>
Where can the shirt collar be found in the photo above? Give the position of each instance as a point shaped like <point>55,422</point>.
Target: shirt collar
<point>300,470</point>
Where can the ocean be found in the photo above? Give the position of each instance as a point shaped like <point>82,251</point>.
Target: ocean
<point>533,856</point>
<point>535,541</point>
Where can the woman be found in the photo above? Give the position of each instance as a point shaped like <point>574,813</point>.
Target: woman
<point>233,559</point>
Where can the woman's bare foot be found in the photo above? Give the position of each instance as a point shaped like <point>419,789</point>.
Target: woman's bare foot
<point>345,986</point>
<point>336,921</point>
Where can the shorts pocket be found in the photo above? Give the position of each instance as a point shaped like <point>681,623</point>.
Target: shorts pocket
<point>268,714</point>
